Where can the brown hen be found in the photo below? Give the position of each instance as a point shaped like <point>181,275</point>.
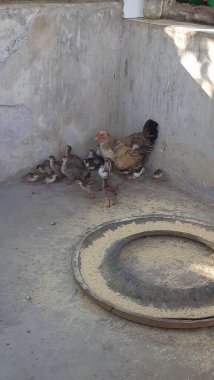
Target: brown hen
<point>130,152</point>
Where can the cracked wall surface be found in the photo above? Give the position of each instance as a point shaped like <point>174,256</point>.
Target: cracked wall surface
<point>167,73</point>
<point>68,70</point>
<point>59,79</point>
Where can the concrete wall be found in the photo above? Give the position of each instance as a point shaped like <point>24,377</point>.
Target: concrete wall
<point>167,73</point>
<point>174,10</point>
<point>68,70</point>
<point>59,78</point>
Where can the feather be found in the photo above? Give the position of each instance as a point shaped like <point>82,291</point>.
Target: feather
<point>132,151</point>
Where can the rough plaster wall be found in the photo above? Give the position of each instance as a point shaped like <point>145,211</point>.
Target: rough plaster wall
<point>64,74</point>
<point>59,79</point>
<point>186,12</point>
<point>155,83</point>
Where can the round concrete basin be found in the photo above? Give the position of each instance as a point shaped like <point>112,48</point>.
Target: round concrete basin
<point>154,270</point>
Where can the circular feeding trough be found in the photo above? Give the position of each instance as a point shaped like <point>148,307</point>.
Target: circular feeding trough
<point>153,270</point>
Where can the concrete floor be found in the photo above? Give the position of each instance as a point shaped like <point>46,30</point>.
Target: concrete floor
<point>60,333</point>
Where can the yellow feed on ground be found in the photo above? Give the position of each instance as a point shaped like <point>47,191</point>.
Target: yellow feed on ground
<point>91,258</point>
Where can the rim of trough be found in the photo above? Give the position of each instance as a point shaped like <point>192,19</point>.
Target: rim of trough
<point>174,323</point>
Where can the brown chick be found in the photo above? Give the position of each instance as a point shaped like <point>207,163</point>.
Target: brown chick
<point>46,167</point>
<point>105,171</point>
<point>50,178</point>
<point>32,177</point>
<point>40,169</point>
<point>90,185</point>
<point>158,174</point>
<point>108,165</point>
<point>110,193</point>
<point>41,172</point>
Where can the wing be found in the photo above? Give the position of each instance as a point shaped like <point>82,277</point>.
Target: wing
<point>128,156</point>
<point>136,142</point>
<point>132,151</point>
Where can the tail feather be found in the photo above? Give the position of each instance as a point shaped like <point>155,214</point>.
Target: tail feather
<point>150,130</point>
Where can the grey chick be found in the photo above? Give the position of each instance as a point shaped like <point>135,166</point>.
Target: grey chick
<point>72,170</point>
<point>73,158</point>
<point>110,193</point>
<point>55,166</point>
<point>98,151</point>
<point>89,184</point>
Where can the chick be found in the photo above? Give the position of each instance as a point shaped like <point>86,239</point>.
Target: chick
<point>68,151</point>
<point>98,151</point>
<point>45,167</point>
<point>93,160</point>
<point>32,177</point>
<point>158,174</point>
<point>111,168</point>
<point>89,163</point>
<point>55,166</point>
<point>73,158</point>
<point>89,184</point>
<point>40,171</point>
<point>103,172</point>
<point>136,173</point>
<point>50,178</point>
<point>108,165</point>
<point>72,170</point>
<point>91,153</point>
<point>110,193</point>
<point>109,190</point>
